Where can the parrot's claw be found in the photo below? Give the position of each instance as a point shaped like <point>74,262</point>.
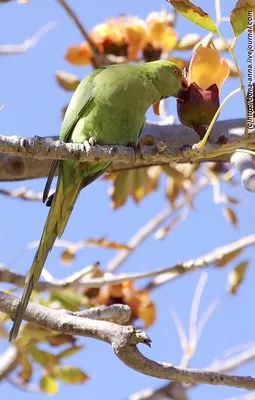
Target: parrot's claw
<point>89,143</point>
<point>140,149</point>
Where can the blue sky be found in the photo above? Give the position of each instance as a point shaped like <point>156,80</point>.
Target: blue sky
<point>33,107</point>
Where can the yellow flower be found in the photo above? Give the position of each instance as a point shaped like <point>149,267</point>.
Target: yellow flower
<point>206,67</point>
<point>160,33</point>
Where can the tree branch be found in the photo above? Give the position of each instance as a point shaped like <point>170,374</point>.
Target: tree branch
<point>9,361</point>
<point>12,49</point>
<point>173,390</point>
<point>123,340</point>
<point>162,275</point>
<point>17,167</point>
<point>201,262</point>
<point>245,165</point>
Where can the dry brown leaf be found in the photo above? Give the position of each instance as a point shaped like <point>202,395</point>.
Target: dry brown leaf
<point>67,81</point>
<point>239,15</point>
<point>135,182</point>
<point>195,14</point>
<point>107,244</point>
<point>67,256</point>
<point>236,276</point>
<point>227,258</point>
<point>162,232</point>
<point>231,217</point>
<point>228,199</point>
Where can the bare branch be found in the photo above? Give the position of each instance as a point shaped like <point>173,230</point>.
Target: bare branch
<point>22,193</point>
<point>201,262</point>
<point>162,275</point>
<point>123,340</point>
<point>17,167</point>
<point>11,49</point>
<point>9,361</point>
<point>218,365</point>
<point>245,165</point>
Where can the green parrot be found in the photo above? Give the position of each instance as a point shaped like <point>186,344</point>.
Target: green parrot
<point>108,107</point>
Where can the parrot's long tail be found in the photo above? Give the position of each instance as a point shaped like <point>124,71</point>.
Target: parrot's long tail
<point>60,211</point>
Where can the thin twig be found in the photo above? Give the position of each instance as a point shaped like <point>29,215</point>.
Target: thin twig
<point>162,275</point>
<point>11,49</point>
<point>22,193</point>
<point>82,30</point>
<point>145,231</point>
<point>201,262</point>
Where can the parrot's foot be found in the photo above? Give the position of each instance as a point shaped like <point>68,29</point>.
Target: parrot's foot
<point>89,143</point>
<point>140,149</point>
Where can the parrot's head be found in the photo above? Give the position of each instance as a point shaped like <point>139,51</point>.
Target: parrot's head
<point>167,77</point>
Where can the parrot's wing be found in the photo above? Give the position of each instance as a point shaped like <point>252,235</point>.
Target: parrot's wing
<point>79,102</point>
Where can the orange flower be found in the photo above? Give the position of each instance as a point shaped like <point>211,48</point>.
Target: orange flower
<point>160,33</point>
<point>207,68</point>
<point>79,55</point>
<point>139,301</point>
<point>125,31</point>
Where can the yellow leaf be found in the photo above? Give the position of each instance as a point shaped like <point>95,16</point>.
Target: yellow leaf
<point>195,14</point>
<point>231,216</point>
<point>67,81</point>
<point>44,358</point>
<point>69,374</point>
<point>69,352</point>
<point>48,385</point>
<point>173,189</point>
<point>239,16</point>
<point>107,244</point>
<point>26,373</point>
<point>187,42</point>
<point>236,276</point>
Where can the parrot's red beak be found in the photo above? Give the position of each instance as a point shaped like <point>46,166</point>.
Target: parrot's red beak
<point>156,108</point>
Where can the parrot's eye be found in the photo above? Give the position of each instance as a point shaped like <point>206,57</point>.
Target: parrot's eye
<point>175,71</point>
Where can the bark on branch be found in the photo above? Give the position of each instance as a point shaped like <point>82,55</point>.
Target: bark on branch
<point>31,158</point>
<point>123,340</point>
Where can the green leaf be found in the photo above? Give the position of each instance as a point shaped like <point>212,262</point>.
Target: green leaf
<point>47,360</point>
<point>195,14</point>
<point>69,374</point>
<point>239,16</point>
<point>69,352</point>
<point>49,385</point>
<point>68,298</point>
